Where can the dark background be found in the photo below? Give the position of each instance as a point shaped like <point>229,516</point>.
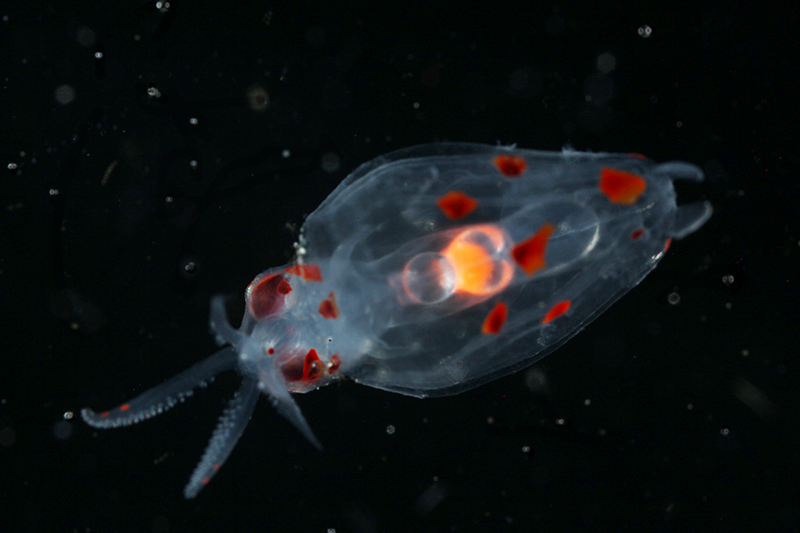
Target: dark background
<point>121,218</point>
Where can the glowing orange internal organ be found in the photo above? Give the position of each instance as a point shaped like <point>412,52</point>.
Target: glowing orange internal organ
<point>621,187</point>
<point>494,321</point>
<point>510,166</point>
<point>456,205</point>
<point>478,269</point>
<point>307,272</point>
<point>328,307</point>
<point>556,311</point>
<point>529,254</point>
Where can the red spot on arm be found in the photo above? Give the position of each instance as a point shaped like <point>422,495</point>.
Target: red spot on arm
<point>635,234</point>
<point>104,414</point>
<point>529,254</point>
<point>637,156</point>
<point>621,187</point>
<point>328,307</point>
<point>216,467</point>
<point>205,480</point>
<point>510,166</point>
<point>667,244</point>
<point>556,311</point>
<point>494,321</point>
<point>307,272</point>
<point>456,205</point>
<point>271,351</point>
<point>124,407</point>
<point>284,287</point>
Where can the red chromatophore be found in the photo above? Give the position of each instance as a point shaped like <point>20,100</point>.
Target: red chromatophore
<point>328,307</point>
<point>556,311</point>
<point>456,205</point>
<point>529,254</point>
<point>510,166</point>
<point>495,319</point>
<point>307,272</point>
<point>621,187</point>
<point>303,368</point>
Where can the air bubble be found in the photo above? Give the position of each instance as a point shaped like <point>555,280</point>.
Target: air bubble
<point>674,298</point>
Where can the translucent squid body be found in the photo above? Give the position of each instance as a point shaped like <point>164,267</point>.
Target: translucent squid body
<point>432,270</point>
